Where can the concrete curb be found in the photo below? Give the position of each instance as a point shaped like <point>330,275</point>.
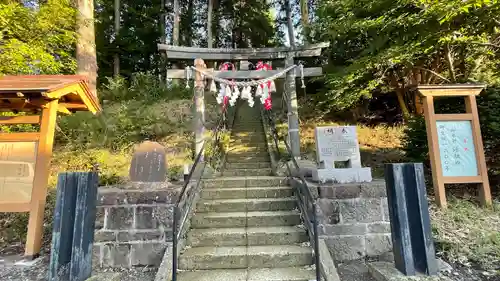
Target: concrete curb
<point>328,268</point>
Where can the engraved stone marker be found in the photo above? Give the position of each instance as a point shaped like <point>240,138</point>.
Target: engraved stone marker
<point>339,144</point>
<point>148,163</point>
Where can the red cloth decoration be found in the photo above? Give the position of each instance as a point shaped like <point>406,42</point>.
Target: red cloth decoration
<point>264,66</point>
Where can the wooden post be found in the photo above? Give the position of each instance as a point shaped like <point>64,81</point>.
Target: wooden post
<point>199,104</point>
<point>293,114</point>
<point>434,155</point>
<point>40,181</point>
<point>485,192</point>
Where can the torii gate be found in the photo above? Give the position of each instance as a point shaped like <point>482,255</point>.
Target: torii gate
<point>286,54</point>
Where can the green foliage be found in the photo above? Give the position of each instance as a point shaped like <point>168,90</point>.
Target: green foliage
<point>386,45</point>
<point>37,40</point>
<point>145,87</point>
<point>415,140</point>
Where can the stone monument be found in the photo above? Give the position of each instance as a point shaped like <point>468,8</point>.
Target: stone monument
<point>338,145</point>
<point>148,163</point>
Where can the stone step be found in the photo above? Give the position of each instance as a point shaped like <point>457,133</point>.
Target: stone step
<point>249,137</point>
<point>242,148</point>
<point>275,256</point>
<point>256,274</point>
<point>239,155</point>
<point>247,192</point>
<point>250,205</point>
<point>235,158</point>
<point>249,165</point>
<point>250,181</point>
<point>252,236</point>
<point>248,172</point>
<point>242,219</point>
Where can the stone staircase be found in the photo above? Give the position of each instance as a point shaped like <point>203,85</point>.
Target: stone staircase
<point>246,226</point>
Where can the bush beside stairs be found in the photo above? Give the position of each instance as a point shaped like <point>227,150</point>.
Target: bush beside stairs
<point>246,226</point>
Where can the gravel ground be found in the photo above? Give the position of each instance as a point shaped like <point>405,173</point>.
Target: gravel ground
<point>39,272</point>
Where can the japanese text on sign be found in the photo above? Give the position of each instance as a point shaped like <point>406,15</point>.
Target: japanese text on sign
<point>456,148</point>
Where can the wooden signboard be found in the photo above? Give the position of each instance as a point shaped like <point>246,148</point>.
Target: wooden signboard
<point>455,144</point>
<point>25,156</point>
<point>17,171</point>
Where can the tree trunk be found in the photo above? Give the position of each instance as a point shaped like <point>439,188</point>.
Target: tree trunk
<point>304,12</point>
<point>116,56</point>
<point>163,40</point>
<point>189,32</point>
<point>210,40</point>
<point>85,47</point>
<point>402,103</point>
<point>175,34</point>
<point>177,20</point>
<point>291,34</point>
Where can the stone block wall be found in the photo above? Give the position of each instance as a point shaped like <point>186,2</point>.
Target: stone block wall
<point>134,224</point>
<point>353,219</point>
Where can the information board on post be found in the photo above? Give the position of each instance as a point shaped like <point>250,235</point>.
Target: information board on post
<point>456,152</point>
<point>456,148</point>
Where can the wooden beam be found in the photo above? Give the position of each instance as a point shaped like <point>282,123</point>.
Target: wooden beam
<point>28,136</point>
<point>57,94</point>
<point>63,109</point>
<point>27,119</point>
<point>451,90</point>
<point>14,207</point>
<point>40,181</point>
<point>177,52</point>
<point>73,105</point>
<point>470,179</point>
<point>247,74</point>
<point>453,117</point>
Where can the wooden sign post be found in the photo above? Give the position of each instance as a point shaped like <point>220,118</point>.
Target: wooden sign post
<point>25,156</point>
<point>455,144</point>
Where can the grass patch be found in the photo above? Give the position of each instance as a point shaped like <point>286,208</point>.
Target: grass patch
<point>468,234</point>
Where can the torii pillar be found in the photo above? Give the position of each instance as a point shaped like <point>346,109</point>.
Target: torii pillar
<point>199,107</point>
<point>293,113</point>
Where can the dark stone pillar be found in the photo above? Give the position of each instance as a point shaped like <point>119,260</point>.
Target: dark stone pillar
<point>410,221</point>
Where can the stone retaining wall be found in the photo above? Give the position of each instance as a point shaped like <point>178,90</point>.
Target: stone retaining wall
<point>134,224</point>
<point>353,219</point>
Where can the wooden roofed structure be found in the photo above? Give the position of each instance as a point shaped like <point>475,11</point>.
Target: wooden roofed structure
<point>25,156</point>
<point>30,92</point>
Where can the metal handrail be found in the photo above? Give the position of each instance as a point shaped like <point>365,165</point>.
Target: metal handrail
<point>187,195</point>
<point>304,195</point>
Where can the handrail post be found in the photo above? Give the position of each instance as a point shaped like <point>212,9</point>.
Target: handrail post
<point>174,244</point>
<point>316,242</point>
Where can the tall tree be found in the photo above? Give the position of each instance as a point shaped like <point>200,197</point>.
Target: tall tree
<point>85,47</point>
<point>35,41</point>
<point>116,58</point>
<point>391,46</point>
